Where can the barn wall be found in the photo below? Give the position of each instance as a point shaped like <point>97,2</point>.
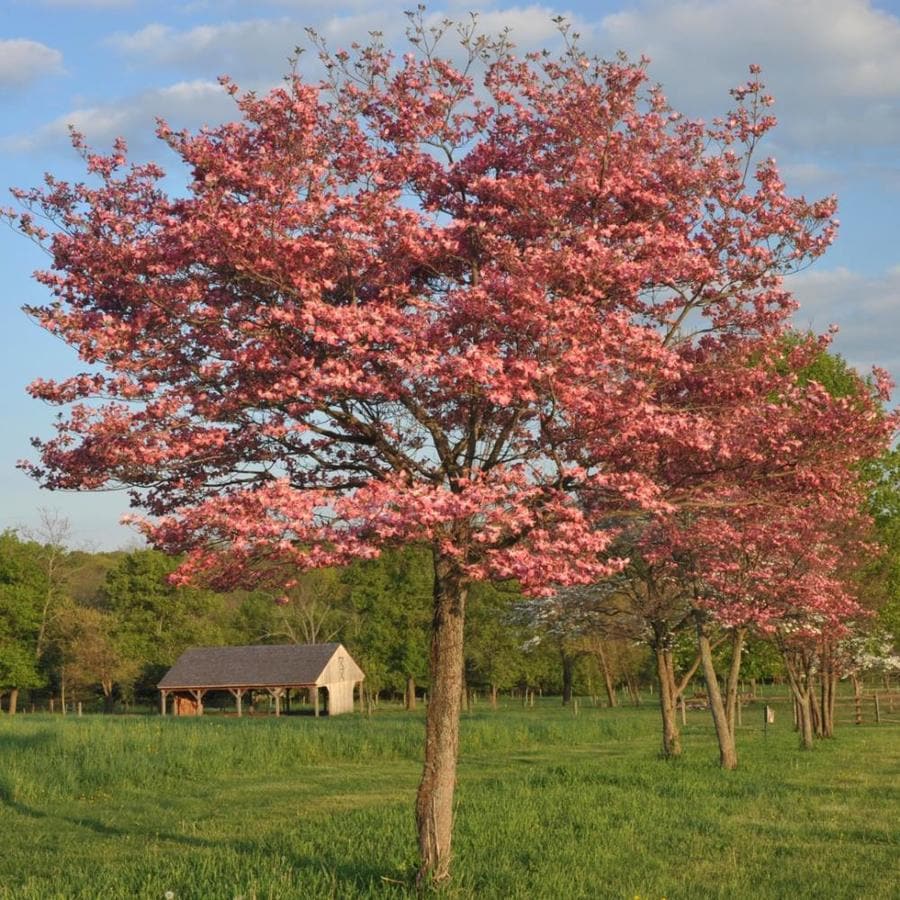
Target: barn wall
<point>340,668</point>
<point>340,698</point>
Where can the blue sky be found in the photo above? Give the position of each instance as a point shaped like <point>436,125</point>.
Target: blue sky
<point>111,66</point>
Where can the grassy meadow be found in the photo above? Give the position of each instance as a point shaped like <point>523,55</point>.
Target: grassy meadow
<point>550,806</point>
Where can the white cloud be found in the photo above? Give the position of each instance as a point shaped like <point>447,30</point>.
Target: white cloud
<point>833,65</point>
<point>253,47</point>
<point>23,61</point>
<point>186,104</point>
<point>866,308</point>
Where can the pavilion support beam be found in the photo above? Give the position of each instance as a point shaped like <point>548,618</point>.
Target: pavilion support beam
<point>316,701</point>
<point>238,694</point>
<point>198,695</point>
<point>277,694</point>
<point>162,702</point>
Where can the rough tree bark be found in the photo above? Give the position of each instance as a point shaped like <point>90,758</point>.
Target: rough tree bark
<point>434,801</point>
<point>727,751</point>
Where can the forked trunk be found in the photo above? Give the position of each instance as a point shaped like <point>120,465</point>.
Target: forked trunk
<point>434,801</point>
<point>671,735</point>
<point>734,675</point>
<point>827,690</point>
<point>803,703</point>
<point>727,750</point>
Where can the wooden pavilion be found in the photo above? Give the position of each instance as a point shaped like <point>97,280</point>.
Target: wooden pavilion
<point>276,669</point>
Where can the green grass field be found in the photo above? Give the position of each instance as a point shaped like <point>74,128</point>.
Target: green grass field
<point>550,805</point>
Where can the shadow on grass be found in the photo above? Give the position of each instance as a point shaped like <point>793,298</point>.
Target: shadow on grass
<point>357,879</point>
<point>348,877</point>
<point>24,743</point>
<point>8,799</point>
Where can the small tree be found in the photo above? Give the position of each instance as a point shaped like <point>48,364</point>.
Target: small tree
<point>402,306</point>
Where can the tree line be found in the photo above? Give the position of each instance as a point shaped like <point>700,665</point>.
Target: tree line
<point>102,627</point>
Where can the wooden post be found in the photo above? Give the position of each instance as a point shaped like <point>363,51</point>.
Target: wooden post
<point>198,696</point>
<point>857,702</point>
<point>316,703</point>
<point>162,703</point>
<point>238,694</point>
<point>877,709</point>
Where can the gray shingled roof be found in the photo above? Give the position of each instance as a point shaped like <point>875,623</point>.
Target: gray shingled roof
<point>257,666</point>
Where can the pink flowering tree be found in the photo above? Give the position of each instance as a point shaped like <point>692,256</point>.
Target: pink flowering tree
<point>418,301</point>
<point>768,533</point>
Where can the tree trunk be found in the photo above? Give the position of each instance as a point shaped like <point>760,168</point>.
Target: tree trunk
<point>607,675</point>
<point>13,701</point>
<point>804,708</point>
<point>827,691</point>
<point>493,696</point>
<point>727,752</point>
<point>734,674</point>
<point>815,716</point>
<point>434,801</point>
<point>633,690</point>
<point>671,734</point>
<point>803,702</point>
<point>857,697</point>
<point>568,670</point>
<point>410,692</point>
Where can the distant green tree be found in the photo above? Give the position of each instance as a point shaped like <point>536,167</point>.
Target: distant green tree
<point>156,620</point>
<point>94,652</point>
<point>313,611</point>
<point>389,604</point>
<point>494,638</point>
<point>23,592</point>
